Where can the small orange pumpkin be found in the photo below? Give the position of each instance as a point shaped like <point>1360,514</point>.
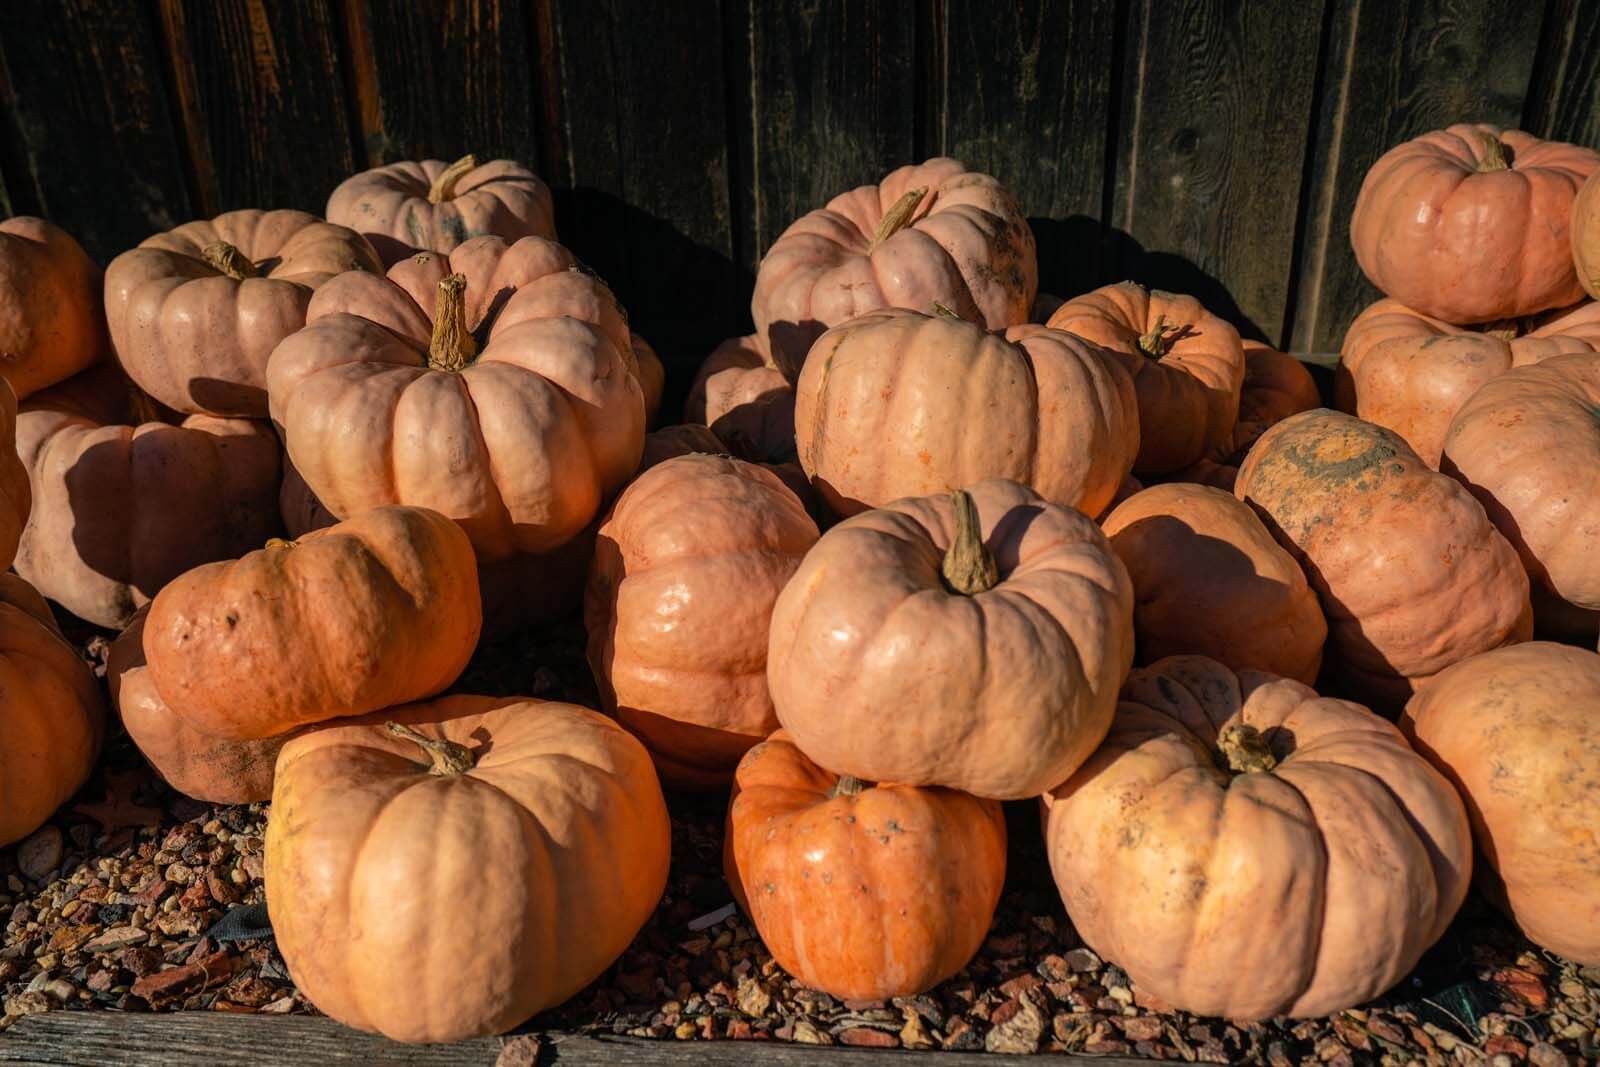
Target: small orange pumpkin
<point>745,399</point>
<point>52,315</point>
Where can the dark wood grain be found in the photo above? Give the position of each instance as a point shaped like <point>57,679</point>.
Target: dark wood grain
<point>261,88</point>
<point>1564,97</point>
<point>1023,90</point>
<point>96,147</point>
<point>1394,70</point>
<point>439,80</point>
<point>1216,106</point>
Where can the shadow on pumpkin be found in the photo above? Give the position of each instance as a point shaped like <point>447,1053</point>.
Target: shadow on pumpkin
<point>214,394</point>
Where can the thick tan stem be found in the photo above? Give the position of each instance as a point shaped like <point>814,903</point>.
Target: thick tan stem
<point>847,787</point>
<point>1504,329</point>
<point>230,261</point>
<point>1494,154</point>
<point>280,542</point>
<point>897,217</point>
<point>444,186</point>
<point>1245,749</point>
<point>452,347</point>
<point>969,567</point>
<point>447,757</point>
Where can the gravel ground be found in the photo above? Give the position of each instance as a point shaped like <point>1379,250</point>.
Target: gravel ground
<point>136,899</point>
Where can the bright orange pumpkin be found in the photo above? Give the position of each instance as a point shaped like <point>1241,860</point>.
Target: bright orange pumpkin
<point>52,314</point>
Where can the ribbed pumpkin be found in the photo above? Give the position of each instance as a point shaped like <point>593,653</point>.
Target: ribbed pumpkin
<point>1276,385</point>
<point>1243,847</point>
<point>896,403</point>
<point>1586,235</point>
<point>52,319</point>
<point>861,890</point>
<point>539,825</point>
<point>1517,730</point>
<point>973,640</point>
<point>1411,573</point>
<point>1188,368</point>
<point>1208,578</point>
<point>683,439</point>
<point>745,399</point>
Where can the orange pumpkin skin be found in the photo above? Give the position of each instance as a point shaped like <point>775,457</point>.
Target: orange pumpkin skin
<point>1209,579</point>
<point>52,321</point>
<point>555,842</point>
<point>1401,369</point>
<point>877,894</point>
<point>652,376</point>
<point>1526,445</point>
<point>52,719</point>
<point>1411,574</point>
<point>1188,368</point>
<point>745,399</point>
<point>391,207</point>
<point>684,439</point>
<point>196,337</point>
<point>966,246</point>
<point>520,445</point>
<point>121,507</point>
<point>1517,730</point>
<point>889,407</point>
<point>207,768</point>
<point>1470,223</point>
<point>1006,691</point>
<point>678,605</point>
<point>1586,235</point>
<point>1339,858</point>
<point>16,496</point>
<point>1276,385</point>
<point>377,610</point>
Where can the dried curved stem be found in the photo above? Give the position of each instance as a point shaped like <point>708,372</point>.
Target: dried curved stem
<point>897,218</point>
<point>452,346</point>
<point>229,260</point>
<point>969,567</point>
<point>447,757</point>
<point>444,186</point>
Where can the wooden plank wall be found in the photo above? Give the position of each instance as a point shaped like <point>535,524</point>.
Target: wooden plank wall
<point>1211,146</point>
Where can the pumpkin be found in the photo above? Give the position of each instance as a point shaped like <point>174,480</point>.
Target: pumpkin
<point>652,376</point>
<point>1243,847</point>
<point>377,610</point>
<point>301,510</point>
<point>1411,573</point>
<point>1527,445</point>
<point>1470,223</point>
<point>1276,385</point>
<point>973,640</point>
<point>679,600</point>
<point>123,504</point>
<point>1401,369</point>
<point>52,323</point>
<point>897,403</point>
<point>745,399</point>
<point>1188,368</point>
<point>684,439</point>
<point>196,311</point>
<point>1217,474</point>
<point>433,206</point>
<point>1208,578</point>
<point>931,233</point>
<point>17,592</point>
<point>1517,731</point>
<point>1585,231</point>
<point>52,717</point>
<point>16,496</point>
<point>451,875</point>
<point>861,890</point>
<point>196,764</point>
<point>495,385</point>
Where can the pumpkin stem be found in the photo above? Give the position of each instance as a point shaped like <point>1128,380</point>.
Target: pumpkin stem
<point>448,757</point>
<point>1504,329</point>
<point>280,542</point>
<point>969,567</point>
<point>452,347</point>
<point>1494,154</point>
<point>897,217</point>
<point>847,787</point>
<point>1157,341</point>
<point>141,407</point>
<point>945,311</point>
<point>444,186</point>
<point>1245,749</point>
<point>229,260</point>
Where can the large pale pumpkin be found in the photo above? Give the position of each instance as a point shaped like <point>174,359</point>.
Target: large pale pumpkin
<point>1401,369</point>
<point>897,403</point>
<point>52,717</point>
<point>1208,578</point>
<point>1188,368</point>
<point>52,322</point>
<point>1243,847</point>
<point>859,890</point>
<point>377,610</point>
<point>496,385</point>
<point>931,233</point>
<point>212,769</point>
<point>434,206</point>
<point>973,640</point>
<point>455,874</point>
<point>123,503</point>
<point>1411,573</point>
<point>196,311</point>
<point>1528,446</point>
<point>1518,732</point>
<point>687,568</point>
<point>745,399</point>
<point>1470,223</point>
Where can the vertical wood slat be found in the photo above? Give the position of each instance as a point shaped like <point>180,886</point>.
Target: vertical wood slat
<point>1564,99</point>
<point>1396,69</point>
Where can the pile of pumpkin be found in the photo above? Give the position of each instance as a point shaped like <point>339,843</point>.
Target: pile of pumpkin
<point>895,567</point>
